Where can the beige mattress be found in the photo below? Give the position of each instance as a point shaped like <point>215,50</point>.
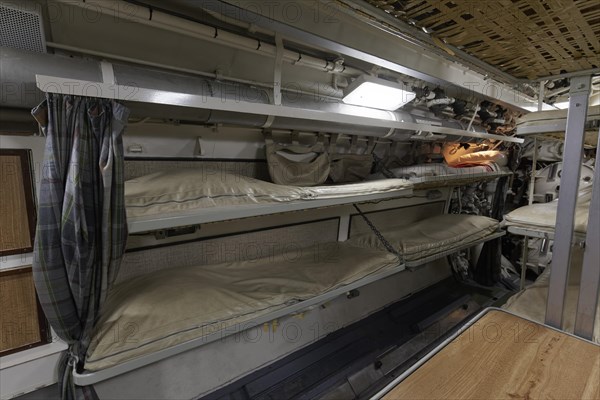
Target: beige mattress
<point>531,303</point>
<point>169,192</point>
<point>439,172</point>
<point>542,216</point>
<point>432,235</point>
<point>172,306</point>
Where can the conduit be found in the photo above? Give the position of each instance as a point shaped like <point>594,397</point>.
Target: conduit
<point>147,16</point>
<point>336,94</point>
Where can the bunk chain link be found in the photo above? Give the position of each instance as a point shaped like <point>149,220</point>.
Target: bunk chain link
<point>388,246</point>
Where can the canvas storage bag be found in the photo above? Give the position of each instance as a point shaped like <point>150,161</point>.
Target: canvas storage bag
<point>350,167</point>
<point>296,164</point>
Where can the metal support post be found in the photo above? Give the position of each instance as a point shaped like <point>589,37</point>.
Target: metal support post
<point>589,290</point>
<point>567,199</point>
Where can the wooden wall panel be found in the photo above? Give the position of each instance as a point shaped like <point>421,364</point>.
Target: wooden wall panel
<point>21,322</point>
<point>17,213</point>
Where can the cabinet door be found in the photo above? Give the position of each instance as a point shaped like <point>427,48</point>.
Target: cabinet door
<point>22,324</point>
<point>17,209</point>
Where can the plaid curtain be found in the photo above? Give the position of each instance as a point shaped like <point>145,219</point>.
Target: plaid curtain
<point>81,227</point>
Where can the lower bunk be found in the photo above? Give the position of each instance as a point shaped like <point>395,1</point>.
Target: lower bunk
<point>232,350</point>
<point>434,237</point>
<point>175,308</point>
<point>539,219</point>
<point>185,332</point>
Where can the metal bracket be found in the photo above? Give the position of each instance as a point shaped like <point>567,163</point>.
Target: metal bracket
<point>199,150</point>
<point>343,227</point>
<point>277,70</point>
<point>108,73</point>
<point>429,136</point>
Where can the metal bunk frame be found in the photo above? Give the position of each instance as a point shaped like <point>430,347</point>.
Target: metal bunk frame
<point>108,89</point>
<point>564,234</point>
<point>553,125</point>
<point>422,261</point>
<point>428,182</point>
<point>539,233</point>
<point>214,214</point>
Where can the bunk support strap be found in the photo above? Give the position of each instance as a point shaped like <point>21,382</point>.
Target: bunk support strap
<point>589,290</point>
<point>567,200</point>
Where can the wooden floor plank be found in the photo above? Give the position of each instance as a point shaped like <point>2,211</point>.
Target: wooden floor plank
<point>506,357</point>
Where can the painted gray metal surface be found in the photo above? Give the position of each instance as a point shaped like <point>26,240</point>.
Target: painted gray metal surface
<point>440,72</point>
<point>567,200</point>
<point>589,289</point>
<point>540,233</point>
<point>51,84</point>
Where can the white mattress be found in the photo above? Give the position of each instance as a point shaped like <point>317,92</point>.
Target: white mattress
<point>432,235</point>
<point>542,216</point>
<point>172,306</point>
<point>531,303</point>
<point>173,191</point>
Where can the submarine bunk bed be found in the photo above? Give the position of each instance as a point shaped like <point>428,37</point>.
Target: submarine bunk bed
<point>539,220</point>
<point>174,336</point>
<point>257,292</point>
<point>571,221</point>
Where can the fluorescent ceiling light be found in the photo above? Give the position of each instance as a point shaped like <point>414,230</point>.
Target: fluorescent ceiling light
<point>368,91</point>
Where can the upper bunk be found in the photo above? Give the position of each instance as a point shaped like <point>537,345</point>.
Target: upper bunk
<point>191,197</point>
<point>552,124</point>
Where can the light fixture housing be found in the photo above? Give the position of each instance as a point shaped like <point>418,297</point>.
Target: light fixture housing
<point>369,91</point>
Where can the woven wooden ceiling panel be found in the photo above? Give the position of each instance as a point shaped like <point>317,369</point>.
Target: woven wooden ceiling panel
<point>525,38</point>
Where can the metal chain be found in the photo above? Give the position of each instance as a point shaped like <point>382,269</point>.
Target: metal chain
<point>388,246</point>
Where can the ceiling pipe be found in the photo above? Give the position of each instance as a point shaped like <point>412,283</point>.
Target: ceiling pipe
<point>148,16</point>
<point>18,70</point>
<point>59,46</point>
